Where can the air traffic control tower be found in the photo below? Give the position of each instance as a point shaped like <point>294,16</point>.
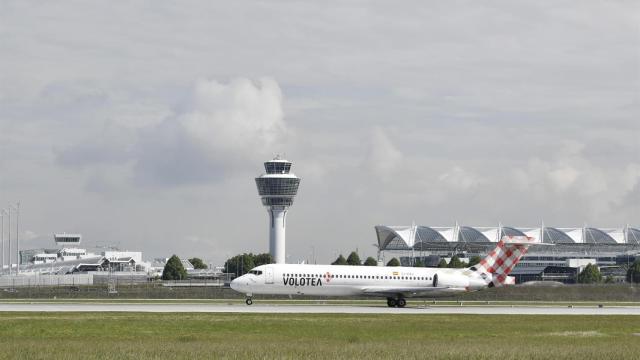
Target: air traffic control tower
<point>277,188</point>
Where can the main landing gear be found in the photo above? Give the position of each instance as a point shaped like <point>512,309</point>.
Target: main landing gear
<point>399,302</point>
<point>248,301</point>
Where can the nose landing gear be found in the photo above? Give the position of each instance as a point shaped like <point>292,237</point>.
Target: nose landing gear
<point>248,301</point>
<point>399,302</point>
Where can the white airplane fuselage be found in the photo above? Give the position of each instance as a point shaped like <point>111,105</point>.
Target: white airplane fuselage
<point>343,280</point>
<point>394,283</point>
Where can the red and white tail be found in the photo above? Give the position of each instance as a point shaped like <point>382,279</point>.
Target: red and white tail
<point>501,260</point>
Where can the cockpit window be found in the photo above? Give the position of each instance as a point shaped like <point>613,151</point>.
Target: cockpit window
<point>255,272</point>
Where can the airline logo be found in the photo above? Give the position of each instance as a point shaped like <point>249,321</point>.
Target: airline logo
<point>327,277</point>
<point>505,256</point>
<point>301,281</point>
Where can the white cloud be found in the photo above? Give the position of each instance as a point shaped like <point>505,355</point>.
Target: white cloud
<point>563,178</point>
<point>459,179</point>
<point>218,128</point>
<point>574,182</point>
<point>240,117</point>
<point>385,160</point>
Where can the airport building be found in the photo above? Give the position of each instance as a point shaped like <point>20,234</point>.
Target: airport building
<point>277,189</point>
<point>561,255</point>
<point>69,258</point>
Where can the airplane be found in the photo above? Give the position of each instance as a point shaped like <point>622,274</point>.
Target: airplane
<point>394,283</point>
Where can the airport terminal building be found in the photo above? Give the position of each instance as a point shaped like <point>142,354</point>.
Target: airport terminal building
<point>563,252</point>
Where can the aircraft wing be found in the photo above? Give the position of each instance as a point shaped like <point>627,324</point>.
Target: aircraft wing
<point>386,291</point>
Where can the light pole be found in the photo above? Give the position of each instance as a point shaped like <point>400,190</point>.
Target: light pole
<point>9,218</point>
<point>2,212</point>
<point>18,238</point>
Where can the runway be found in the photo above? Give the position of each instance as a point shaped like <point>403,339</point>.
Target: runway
<point>316,309</point>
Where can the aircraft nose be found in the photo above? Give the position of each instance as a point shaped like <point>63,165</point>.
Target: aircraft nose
<point>235,284</point>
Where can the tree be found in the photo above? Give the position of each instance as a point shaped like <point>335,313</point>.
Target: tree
<point>474,260</point>
<point>262,259</point>
<point>340,261</point>
<point>442,263</point>
<point>174,270</point>
<point>240,264</point>
<point>633,274</point>
<point>590,275</point>
<point>418,263</point>
<point>353,259</point>
<point>371,262</point>
<point>393,262</point>
<point>198,263</point>
<point>455,262</point>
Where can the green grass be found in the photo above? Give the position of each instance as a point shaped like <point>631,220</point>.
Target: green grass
<point>293,336</point>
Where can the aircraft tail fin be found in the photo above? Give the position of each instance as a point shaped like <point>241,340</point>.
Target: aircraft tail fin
<point>501,260</point>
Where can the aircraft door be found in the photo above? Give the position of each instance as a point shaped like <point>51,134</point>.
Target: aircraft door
<point>268,279</point>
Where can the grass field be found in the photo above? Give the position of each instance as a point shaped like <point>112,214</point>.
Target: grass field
<point>265,336</point>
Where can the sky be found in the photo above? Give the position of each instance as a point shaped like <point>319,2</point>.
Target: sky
<point>143,124</point>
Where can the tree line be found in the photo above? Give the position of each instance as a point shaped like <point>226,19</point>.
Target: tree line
<point>354,259</point>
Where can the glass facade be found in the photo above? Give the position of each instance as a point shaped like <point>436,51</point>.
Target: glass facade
<point>597,236</point>
<point>277,167</point>
<point>278,187</point>
<point>273,186</point>
<point>469,234</point>
<point>389,239</point>
<point>555,236</point>
<point>277,201</point>
<point>509,231</point>
<point>425,235</point>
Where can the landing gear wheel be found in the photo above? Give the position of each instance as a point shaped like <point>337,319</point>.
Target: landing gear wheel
<point>249,301</point>
<point>391,302</point>
<point>401,303</point>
